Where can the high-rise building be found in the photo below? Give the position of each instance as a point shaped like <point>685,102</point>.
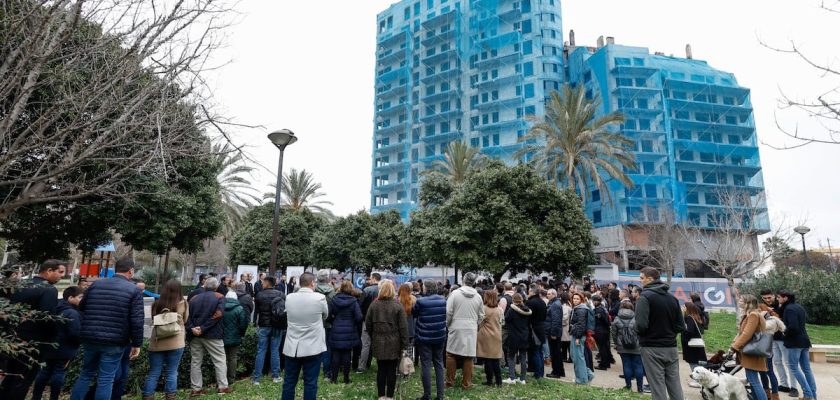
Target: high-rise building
<point>457,70</point>
<point>473,69</point>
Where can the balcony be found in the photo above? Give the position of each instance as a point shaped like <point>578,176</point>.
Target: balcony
<point>396,109</point>
<point>392,75</point>
<point>431,159</point>
<point>500,81</point>
<point>441,76</point>
<point>398,90</point>
<point>440,116</point>
<point>391,166</point>
<point>734,91</point>
<point>442,137</point>
<point>388,40</point>
<point>499,104</point>
<point>437,21</point>
<point>502,150</point>
<point>390,186</point>
<point>438,39</point>
<point>635,71</point>
<point>390,148</point>
<point>748,168</point>
<point>510,16</point>
<point>713,187</point>
<point>636,91</point>
<point>746,151</point>
<point>499,41</point>
<point>399,127</point>
<point>710,107</point>
<point>714,127</point>
<point>391,56</point>
<point>498,60</point>
<point>496,126</point>
<point>434,98</point>
<point>439,57</point>
<point>641,112</point>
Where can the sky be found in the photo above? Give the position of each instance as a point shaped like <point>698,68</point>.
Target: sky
<point>309,66</point>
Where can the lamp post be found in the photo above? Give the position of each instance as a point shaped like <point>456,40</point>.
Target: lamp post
<point>802,230</point>
<point>280,139</point>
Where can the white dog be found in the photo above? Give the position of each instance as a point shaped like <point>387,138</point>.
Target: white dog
<point>719,386</point>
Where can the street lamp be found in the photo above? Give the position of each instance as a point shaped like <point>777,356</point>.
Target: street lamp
<point>802,230</point>
<point>281,139</point>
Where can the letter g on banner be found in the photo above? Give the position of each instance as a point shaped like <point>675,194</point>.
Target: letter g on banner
<point>714,296</point>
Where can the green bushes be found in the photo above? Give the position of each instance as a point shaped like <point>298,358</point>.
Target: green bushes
<point>817,291</point>
<point>140,366</point>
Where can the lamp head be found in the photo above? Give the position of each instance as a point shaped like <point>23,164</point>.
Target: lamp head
<point>282,138</point>
<point>802,229</point>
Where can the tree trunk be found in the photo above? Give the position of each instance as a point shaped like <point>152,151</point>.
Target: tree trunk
<point>165,268</point>
<point>157,275</point>
<point>455,268</point>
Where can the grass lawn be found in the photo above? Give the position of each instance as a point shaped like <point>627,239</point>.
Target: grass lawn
<point>722,331</point>
<point>363,386</point>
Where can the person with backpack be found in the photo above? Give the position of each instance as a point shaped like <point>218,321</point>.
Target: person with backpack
<point>166,346</point>
<point>693,354</point>
<point>627,344</point>
<point>235,323</point>
<point>270,307</point>
<point>577,330</point>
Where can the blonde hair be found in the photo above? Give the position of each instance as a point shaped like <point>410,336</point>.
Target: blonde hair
<point>750,303</point>
<point>386,290</point>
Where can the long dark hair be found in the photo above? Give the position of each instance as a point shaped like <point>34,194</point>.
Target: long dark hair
<point>170,297</point>
<point>694,312</point>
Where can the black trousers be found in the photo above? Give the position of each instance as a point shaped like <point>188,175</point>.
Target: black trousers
<point>554,347</point>
<point>340,360</point>
<point>16,385</point>
<point>604,353</point>
<point>386,377</point>
<point>493,370</point>
<point>565,353</point>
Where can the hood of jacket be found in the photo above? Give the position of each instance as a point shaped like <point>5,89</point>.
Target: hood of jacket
<point>468,292</point>
<point>626,314</point>
<point>343,300</point>
<point>231,304</point>
<point>658,287</point>
<point>324,289</point>
<point>63,305</point>
<point>521,308</point>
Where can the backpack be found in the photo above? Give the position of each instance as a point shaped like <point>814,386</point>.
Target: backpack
<point>278,312</point>
<point>627,337</point>
<point>166,324</point>
<point>590,320</point>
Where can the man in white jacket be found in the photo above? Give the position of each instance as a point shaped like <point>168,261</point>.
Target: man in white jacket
<point>464,313</point>
<point>306,311</point>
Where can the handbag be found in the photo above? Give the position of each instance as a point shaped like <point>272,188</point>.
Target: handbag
<point>761,345</point>
<point>697,342</point>
<point>166,324</point>
<point>535,341</point>
<point>406,366</point>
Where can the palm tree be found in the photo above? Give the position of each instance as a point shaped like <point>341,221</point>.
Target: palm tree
<point>236,192</point>
<point>459,161</point>
<point>299,190</point>
<point>574,146</point>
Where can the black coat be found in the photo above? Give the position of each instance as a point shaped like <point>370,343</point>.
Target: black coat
<point>68,332</point>
<point>206,311</point>
<point>692,355</point>
<point>195,292</point>
<point>538,315</point>
<point>602,320</point>
<point>345,314</point>
<point>659,317</point>
<point>263,306</point>
<point>39,295</point>
<point>555,319</point>
<point>578,322</point>
<point>113,312</point>
<point>518,327</point>
<point>796,335</point>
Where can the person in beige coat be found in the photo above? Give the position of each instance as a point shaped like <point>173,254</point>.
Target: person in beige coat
<point>489,347</point>
<point>751,324</point>
<point>165,353</point>
<point>464,313</point>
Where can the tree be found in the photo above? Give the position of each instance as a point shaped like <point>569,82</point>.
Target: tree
<point>237,193</point>
<point>667,241</point>
<point>459,161</point>
<point>362,242</point>
<point>95,92</point>
<point>797,261</point>
<point>252,243</point>
<point>299,191</point>
<point>503,219</point>
<point>573,146</point>
<point>778,248</point>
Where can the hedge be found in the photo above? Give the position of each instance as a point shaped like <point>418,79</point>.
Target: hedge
<point>817,291</point>
<point>140,366</point>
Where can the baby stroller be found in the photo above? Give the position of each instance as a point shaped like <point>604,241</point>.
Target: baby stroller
<point>727,365</point>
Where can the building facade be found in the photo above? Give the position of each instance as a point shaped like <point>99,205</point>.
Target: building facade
<point>473,69</point>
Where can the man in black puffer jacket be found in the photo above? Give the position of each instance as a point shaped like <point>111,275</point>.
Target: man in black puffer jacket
<point>537,322</point>
<point>112,312</point>
<point>38,294</point>
<point>269,331</point>
<point>658,321</point>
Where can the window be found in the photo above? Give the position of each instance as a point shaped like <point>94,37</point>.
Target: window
<point>689,176</point>
<point>644,124</point>
<point>528,68</point>
<point>474,142</point>
<point>739,180</point>
<point>731,120</point>
<point>623,82</point>
<point>687,155</point>
<point>650,191</point>
<point>642,103</point>
<point>526,26</point>
<point>527,47</point>
<point>638,62</point>
<point>692,198</point>
<point>710,178</point>
<point>622,61</point>
<point>648,168</point>
<point>647,146</point>
<point>712,199</point>
<point>684,135</point>
<point>596,195</point>
<point>416,8</point>
<point>707,157</point>
<point>640,82</point>
<point>444,127</point>
<point>407,15</point>
<point>734,139</point>
<point>529,90</point>
<point>596,217</point>
<point>694,219</point>
<point>430,4</point>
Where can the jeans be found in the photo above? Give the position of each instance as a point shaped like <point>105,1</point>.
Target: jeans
<point>386,377</point>
<point>340,360</point>
<point>120,379</point>
<point>493,370</point>
<point>632,364</point>
<point>535,357</point>
<point>800,369</point>
<point>768,379</point>
<point>755,383</point>
<point>513,356</point>
<point>166,362</point>
<point>583,374</point>
<point>311,367</point>
<point>431,355</point>
<point>52,374</point>
<point>662,367</point>
<point>268,340</point>
<point>101,362</point>
<point>325,356</point>
<point>780,365</point>
<point>557,368</point>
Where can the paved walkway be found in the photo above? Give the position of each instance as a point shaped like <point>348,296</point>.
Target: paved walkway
<point>827,376</point>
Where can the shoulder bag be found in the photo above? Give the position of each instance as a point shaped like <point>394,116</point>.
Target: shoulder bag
<point>761,345</point>
<point>697,342</point>
<point>166,324</point>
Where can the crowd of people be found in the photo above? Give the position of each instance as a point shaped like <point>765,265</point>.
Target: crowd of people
<point>319,324</point>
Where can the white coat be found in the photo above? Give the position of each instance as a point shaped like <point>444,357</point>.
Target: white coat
<point>306,312</point>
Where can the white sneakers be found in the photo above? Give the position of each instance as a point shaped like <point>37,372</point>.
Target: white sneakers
<point>278,380</point>
<point>510,381</point>
<point>521,381</point>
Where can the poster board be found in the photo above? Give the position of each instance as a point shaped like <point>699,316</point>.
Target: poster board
<point>295,272</point>
<point>247,269</point>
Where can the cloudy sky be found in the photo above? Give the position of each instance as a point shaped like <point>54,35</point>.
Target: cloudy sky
<point>309,66</point>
